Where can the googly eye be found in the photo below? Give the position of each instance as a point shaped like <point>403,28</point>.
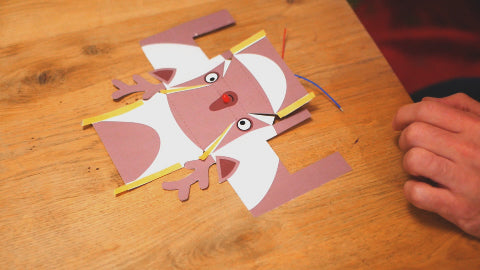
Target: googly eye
<point>211,77</point>
<point>244,124</point>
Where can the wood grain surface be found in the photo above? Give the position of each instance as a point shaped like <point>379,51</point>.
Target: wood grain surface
<point>57,208</point>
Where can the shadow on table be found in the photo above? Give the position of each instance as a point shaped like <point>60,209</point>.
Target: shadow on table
<point>435,221</point>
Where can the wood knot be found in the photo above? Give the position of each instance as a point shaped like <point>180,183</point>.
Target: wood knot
<point>45,77</point>
<point>94,50</point>
<point>90,50</point>
<point>48,76</point>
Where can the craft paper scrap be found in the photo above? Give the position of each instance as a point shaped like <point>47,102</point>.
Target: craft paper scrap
<point>205,111</point>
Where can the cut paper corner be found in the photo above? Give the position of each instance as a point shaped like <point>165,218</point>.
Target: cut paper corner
<point>289,186</point>
<point>268,119</point>
<point>291,121</point>
<point>147,179</point>
<point>214,144</point>
<point>105,116</point>
<point>295,105</point>
<point>248,42</point>
<point>86,122</point>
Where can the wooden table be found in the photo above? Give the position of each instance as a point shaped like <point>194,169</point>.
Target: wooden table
<point>57,208</point>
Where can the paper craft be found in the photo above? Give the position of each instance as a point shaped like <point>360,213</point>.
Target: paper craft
<point>206,111</point>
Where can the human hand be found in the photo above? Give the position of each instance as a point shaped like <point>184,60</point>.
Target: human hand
<point>441,138</point>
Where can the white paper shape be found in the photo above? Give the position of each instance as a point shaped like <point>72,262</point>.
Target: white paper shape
<point>264,118</point>
<point>258,164</point>
<point>269,75</point>
<point>175,146</point>
<point>225,67</point>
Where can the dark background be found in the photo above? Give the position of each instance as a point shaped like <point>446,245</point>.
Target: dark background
<point>432,46</point>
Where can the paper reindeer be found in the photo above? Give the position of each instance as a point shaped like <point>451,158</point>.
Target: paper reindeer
<point>205,111</point>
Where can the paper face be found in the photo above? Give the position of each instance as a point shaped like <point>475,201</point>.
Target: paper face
<point>222,107</point>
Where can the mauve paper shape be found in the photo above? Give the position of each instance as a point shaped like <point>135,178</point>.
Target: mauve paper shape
<point>205,111</point>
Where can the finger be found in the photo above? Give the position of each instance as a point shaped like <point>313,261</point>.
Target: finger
<point>431,112</point>
<point>421,162</point>
<point>431,138</point>
<point>433,199</point>
<point>459,101</point>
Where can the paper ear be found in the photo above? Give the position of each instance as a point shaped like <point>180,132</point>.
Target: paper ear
<point>164,74</point>
<point>226,167</point>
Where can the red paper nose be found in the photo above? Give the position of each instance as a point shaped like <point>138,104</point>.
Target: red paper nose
<point>226,98</point>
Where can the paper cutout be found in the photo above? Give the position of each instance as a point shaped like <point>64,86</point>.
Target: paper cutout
<point>295,105</point>
<point>139,140</point>
<point>140,86</point>
<point>207,111</point>
<point>199,175</point>
<point>214,144</point>
<point>288,186</point>
<point>246,43</point>
<point>147,179</point>
<point>108,115</point>
<point>179,89</point>
<point>226,168</point>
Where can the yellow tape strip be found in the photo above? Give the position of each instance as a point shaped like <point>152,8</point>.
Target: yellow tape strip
<point>295,105</point>
<point>249,41</point>
<point>214,144</point>
<point>147,179</point>
<point>111,114</point>
<point>182,89</point>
